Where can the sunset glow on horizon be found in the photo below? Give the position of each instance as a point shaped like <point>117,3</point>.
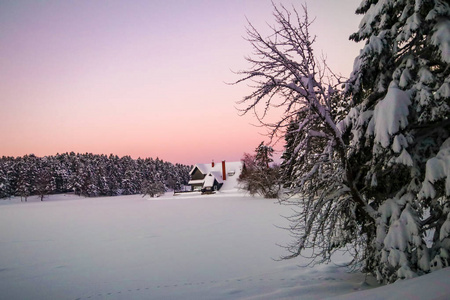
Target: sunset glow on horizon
<point>141,78</point>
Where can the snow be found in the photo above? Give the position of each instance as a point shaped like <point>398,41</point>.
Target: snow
<point>375,45</point>
<point>431,286</point>
<point>404,158</point>
<point>400,143</point>
<point>412,24</point>
<point>426,76</point>
<point>444,234</point>
<point>444,90</point>
<point>441,38</point>
<point>402,236</point>
<point>370,15</point>
<point>188,246</point>
<point>405,78</point>
<point>391,114</point>
<point>437,168</point>
<point>424,97</point>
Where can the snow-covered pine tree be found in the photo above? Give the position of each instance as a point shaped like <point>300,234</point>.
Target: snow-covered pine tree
<point>44,183</point>
<point>61,171</point>
<point>6,177</point>
<point>264,154</point>
<point>398,131</point>
<point>24,173</point>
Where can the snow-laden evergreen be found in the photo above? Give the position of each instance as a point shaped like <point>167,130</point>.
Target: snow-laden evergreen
<point>400,87</point>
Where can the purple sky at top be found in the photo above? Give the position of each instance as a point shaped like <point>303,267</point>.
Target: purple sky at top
<point>141,78</point>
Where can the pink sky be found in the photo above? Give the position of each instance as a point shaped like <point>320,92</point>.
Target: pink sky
<point>140,78</point>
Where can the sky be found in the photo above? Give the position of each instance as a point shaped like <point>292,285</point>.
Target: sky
<point>142,78</point>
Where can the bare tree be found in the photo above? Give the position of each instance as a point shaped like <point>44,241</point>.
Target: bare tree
<point>286,76</point>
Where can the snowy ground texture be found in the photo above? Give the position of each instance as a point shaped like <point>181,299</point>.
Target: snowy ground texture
<point>189,246</point>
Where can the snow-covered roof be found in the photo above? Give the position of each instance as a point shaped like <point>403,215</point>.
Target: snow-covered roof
<point>202,167</point>
<point>209,180</point>
<point>198,181</point>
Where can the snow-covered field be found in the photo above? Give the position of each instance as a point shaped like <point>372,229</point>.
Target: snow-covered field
<point>189,246</point>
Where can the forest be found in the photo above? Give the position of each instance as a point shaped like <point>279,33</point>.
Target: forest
<point>88,174</point>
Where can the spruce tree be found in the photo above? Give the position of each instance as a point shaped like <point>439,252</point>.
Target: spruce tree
<point>398,131</point>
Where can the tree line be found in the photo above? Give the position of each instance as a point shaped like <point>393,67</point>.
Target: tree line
<point>88,174</point>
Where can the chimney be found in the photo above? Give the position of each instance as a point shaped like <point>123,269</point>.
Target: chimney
<point>212,164</point>
<point>224,171</point>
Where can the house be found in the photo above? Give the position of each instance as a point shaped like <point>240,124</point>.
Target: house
<point>213,177</point>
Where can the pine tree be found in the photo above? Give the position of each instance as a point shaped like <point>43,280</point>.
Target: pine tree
<point>44,183</point>
<point>264,155</point>
<point>398,129</point>
<point>61,171</point>
<point>6,177</point>
<point>24,177</point>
